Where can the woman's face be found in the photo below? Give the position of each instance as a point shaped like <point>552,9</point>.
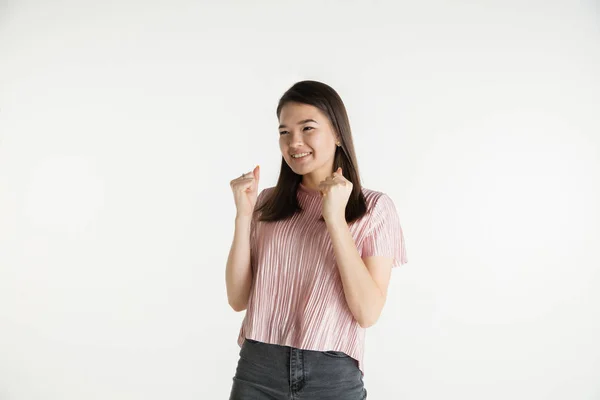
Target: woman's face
<point>306,132</point>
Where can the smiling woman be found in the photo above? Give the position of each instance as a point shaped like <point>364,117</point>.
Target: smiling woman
<point>311,258</point>
<point>309,143</point>
<point>313,119</point>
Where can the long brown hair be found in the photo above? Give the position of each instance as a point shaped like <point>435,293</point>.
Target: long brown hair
<point>282,201</point>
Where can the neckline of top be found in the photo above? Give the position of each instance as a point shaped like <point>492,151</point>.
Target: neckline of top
<point>309,191</point>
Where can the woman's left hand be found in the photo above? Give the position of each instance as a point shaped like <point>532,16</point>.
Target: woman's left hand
<point>335,191</point>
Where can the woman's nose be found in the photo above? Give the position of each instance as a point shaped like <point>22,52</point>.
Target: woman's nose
<point>295,139</point>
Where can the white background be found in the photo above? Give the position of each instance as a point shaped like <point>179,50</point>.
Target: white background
<point>122,123</point>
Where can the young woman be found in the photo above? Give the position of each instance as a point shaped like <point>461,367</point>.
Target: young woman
<point>311,259</point>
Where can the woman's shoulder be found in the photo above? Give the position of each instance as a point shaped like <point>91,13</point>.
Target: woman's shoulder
<point>263,195</point>
<point>372,196</point>
<point>265,192</point>
<point>267,189</point>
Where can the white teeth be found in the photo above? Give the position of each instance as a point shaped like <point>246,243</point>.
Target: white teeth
<point>299,155</point>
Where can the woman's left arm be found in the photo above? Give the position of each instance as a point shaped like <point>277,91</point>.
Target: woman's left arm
<point>365,281</point>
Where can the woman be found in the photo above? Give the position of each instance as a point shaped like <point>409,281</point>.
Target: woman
<point>311,259</point>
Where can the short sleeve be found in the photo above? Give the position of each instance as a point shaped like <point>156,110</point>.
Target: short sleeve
<point>254,225</point>
<point>254,222</point>
<point>384,235</point>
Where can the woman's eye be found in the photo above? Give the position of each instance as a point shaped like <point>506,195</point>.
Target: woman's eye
<point>305,128</point>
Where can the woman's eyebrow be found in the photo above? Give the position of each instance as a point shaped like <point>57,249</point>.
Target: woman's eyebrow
<point>300,122</point>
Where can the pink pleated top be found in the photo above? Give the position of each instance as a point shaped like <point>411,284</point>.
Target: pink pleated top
<point>297,298</point>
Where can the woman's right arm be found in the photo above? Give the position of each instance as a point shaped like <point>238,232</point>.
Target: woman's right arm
<point>238,273</point>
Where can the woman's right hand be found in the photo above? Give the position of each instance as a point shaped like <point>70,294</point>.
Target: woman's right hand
<point>245,192</point>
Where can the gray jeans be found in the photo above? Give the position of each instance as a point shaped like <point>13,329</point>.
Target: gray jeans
<point>273,372</point>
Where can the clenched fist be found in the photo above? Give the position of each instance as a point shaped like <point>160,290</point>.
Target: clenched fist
<point>245,192</point>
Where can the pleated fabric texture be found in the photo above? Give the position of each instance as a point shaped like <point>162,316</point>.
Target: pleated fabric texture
<point>297,298</point>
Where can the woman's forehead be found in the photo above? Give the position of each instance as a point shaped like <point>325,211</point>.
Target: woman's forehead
<point>293,113</point>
